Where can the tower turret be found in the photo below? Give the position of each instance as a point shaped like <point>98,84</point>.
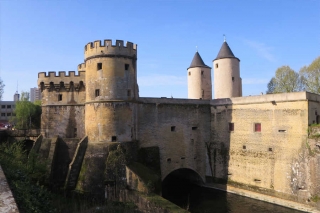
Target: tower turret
<point>227,81</point>
<point>111,85</point>
<point>199,79</point>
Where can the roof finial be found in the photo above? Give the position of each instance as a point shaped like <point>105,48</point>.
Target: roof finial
<point>197,48</point>
<point>224,36</point>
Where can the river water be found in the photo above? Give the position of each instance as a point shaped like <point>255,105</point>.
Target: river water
<point>204,200</point>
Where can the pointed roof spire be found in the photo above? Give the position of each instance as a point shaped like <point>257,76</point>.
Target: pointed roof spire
<point>225,52</point>
<point>197,61</point>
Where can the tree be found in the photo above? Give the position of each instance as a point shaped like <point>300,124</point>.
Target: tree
<point>285,80</point>
<point>27,113</point>
<point>311,76</point>
<point>1,89</point>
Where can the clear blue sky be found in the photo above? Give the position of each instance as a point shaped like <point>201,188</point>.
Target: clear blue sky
<point>41,36</point>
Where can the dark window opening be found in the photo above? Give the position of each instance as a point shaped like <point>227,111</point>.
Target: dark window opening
<point>60,97</point>
<point>114,138</point>
<point>257,127</point>
<point>244,147</point>
<point>3,114</point>
<point>257,180</point>
<point>97,92</point>
<point>195,157</point>
<point>182,158</point>
<point>169,160</point>
<point>201,72</point>
<point>99,66</point>
<point>194,128</point>
<point>232,78</point>
<point>75,132</point>
<point>173,128</point>
<point>231,127</point>
<point>3,106</point>
<point>282,130</point>
<point>129,93</point>
<point>217,65</point>
<point>9,106</point>
<point>189,73</point>
<point>270,149</point>
<point>8,114</point>
<point>126,67</point>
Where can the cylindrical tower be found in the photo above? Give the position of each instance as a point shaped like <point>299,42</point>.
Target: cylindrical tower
<point>227,81</point>
<point>199,79</point>
<point>111,85</point>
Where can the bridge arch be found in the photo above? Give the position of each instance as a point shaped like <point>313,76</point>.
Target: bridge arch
<point>184,174</point>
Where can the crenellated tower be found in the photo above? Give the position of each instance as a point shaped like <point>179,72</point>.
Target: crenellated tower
<point>111,87</point>
<point>199,79</point>
<point>227,81</point>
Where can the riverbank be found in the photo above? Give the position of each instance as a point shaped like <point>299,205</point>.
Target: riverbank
<point>262,197</point>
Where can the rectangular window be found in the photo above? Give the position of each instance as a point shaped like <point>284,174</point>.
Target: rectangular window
<point>189,73</point>
<point>257,127</point>
<point>126,67</point>
<point>173,128</point>
<point>3,106</point>
<point>194,128</point>
<point>3,114</point>
<point>217,66</point>
<point>114,138</point>
<point>8,114</point>
<point>99,66</point>
<point>232,78</point>
<point>201,72</point>
<point>8,106</point>
<point>97,92</point>
<point>60,97</point>
<point>129,93</point>
<point>231,127</point>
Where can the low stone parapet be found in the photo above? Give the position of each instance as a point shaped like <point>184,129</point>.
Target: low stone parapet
<point>7,202</point>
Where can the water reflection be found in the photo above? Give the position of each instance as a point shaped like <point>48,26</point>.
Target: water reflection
<point>201,200</point>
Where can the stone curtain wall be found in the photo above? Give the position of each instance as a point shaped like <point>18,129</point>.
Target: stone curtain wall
<point>180,128</point>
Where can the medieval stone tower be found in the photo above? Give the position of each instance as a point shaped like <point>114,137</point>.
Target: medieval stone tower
<point>199,79</point>
<point>227,81</point>
<point>112,82</point>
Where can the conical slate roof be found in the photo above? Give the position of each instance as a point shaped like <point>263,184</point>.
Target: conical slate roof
<point>197,61</point>
<point>225,52</point>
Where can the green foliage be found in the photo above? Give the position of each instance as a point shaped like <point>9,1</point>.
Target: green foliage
<point>1,88</point>
<point>311,76</point>
<point>285,80</point>
<point>28,114</point>
<point>315,198</point>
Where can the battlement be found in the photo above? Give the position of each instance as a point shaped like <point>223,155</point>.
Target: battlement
<point>52,80</point>
<point>82,67</point>
<point>107,49</point>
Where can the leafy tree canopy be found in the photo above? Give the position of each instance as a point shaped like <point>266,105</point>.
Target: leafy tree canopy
<point>311,76</point>
<point>285,80</point>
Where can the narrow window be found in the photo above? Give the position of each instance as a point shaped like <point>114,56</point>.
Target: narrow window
<point>231,127</point>
<point>173,128</point>
<point>114,138</point>
<point>126,67</point>
<point>194,128</point>
<point>129,93</point>
<point>97,92</point>
<point>244,147</point>
<point>189,73</point>
<point>232,78</point>
<point>270,149</point>
<point>99,66</point>
<point>217,65</point>
<point>169,160</point>
<point>201,72</point>
<point>60,97</point>
<point>257,127</point>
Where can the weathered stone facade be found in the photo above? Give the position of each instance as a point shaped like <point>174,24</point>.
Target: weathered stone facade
<point>256,141</point>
